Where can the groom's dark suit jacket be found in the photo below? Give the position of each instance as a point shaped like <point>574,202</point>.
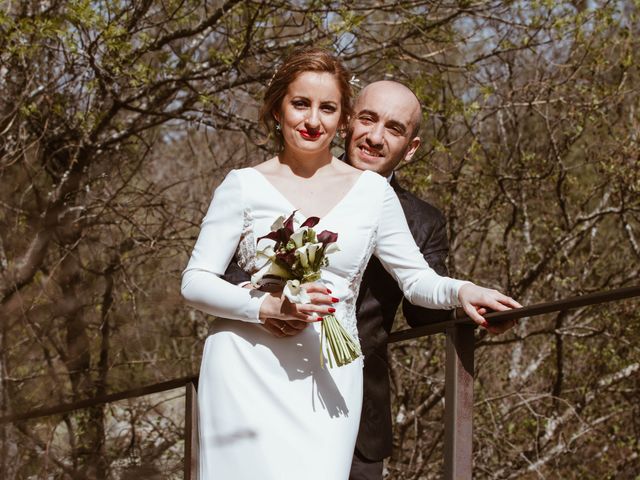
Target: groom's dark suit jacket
<point>377,304</point>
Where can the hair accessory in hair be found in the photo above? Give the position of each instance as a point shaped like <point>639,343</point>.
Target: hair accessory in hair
<point>275,72</point>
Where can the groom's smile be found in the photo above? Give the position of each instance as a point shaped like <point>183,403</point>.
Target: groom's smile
<point>366,151</point>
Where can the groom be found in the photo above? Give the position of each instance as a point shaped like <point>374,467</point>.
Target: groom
<point>382,133</point>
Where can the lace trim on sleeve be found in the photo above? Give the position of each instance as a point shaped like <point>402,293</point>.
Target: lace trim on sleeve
<point>354,280</point>
<point>246,251</point>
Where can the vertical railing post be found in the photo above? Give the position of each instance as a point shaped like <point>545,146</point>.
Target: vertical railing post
<point>191,440</point>
<point>458,410</point>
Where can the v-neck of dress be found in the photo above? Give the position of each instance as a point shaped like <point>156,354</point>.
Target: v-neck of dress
<point>293,207</point>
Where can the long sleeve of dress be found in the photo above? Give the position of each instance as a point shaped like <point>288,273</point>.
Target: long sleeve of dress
<point>397,251</point>
<point>202,287</point>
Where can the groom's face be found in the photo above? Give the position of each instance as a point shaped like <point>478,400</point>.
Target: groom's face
<point>382,130</point>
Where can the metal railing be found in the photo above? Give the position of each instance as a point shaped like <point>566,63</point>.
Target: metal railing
<point>459,377</point>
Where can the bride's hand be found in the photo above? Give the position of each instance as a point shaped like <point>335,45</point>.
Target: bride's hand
<point>284,328</point>
<point>277,306</point>
<point>476,300</point>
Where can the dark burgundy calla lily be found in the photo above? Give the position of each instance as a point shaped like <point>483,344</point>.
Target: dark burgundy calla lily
<point>311,222</point>
<point>282,235</point>
<point>326,237</point>
<point>288,224</point>
<point>288,258</point>
<point>275,236</point>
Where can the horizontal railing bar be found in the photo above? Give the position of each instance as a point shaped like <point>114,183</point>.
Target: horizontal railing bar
<point>460,317</point>
<point>92,402</point>
<point>457,317</point>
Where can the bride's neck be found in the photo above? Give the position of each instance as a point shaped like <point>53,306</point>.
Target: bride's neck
<point>305,165</point>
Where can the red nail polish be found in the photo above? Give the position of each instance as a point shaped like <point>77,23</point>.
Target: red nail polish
<point>334,299</point>
<point>331,309</point>
<point>328,291</point>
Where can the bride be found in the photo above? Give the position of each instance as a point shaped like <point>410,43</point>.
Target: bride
<point>268,409</point>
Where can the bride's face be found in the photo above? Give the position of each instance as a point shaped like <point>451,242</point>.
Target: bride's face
<point>310,112</point>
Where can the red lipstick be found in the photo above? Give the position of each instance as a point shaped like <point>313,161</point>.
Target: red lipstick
<point>310,134</point>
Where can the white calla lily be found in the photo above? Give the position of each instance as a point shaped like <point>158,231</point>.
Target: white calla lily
<point>331,248</point>
<point>257,277</point>
<point>278,224</point>
<point>301,253</point>
<point>295,293</point>
<point>298,236</point>
<point>311,252</point>
<point>271,269</point>
<point>278,271</point>
<point>267,252</point>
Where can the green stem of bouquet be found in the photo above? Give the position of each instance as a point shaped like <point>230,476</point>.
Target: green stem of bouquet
<point>314,276</point>
<point>338,343</point>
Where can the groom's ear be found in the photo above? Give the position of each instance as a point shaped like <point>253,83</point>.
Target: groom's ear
<point>413,146</point>
<point>344,129</point>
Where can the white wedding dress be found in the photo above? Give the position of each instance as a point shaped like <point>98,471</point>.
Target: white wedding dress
<point>268,410</point>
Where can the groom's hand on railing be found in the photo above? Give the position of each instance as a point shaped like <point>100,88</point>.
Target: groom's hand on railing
<point>477,301</point>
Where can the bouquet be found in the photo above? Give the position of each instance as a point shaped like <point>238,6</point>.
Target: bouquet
<point>296,258</point>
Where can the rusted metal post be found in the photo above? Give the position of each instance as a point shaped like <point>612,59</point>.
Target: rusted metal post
<point>191,440</point>
<point>458,410</point>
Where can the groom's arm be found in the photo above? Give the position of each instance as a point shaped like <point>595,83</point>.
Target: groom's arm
<point>435,249</point>
<point>234,274</point>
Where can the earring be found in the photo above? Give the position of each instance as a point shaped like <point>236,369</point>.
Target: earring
<point>278,129</point>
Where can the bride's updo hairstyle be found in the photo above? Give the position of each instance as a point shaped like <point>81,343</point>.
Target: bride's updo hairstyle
<point>300,61</point>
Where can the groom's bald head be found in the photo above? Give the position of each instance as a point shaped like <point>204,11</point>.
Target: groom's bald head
<point>400,93</point>
<point>384,127</point>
